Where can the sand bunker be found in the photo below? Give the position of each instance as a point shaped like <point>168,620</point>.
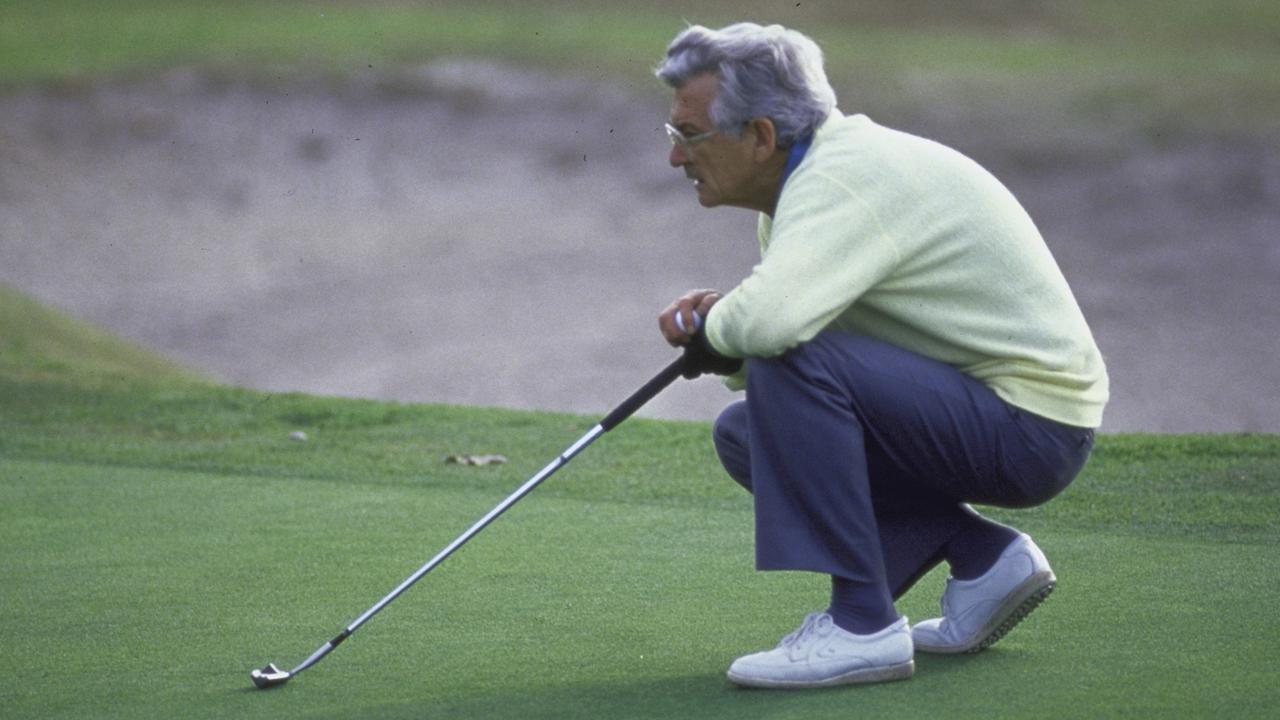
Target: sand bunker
<point>468,233</point>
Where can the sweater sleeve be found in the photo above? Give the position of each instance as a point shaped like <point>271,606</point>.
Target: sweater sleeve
<point>826,247</point>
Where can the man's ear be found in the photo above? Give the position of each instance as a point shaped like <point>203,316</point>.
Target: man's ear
<point>766,138</point>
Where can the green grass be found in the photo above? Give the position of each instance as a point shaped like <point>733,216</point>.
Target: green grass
<point>1175,65</point>
<point>163,538</point>
<point>39,342</point>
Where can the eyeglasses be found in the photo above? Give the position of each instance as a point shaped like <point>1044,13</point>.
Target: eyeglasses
<point>686,142</point>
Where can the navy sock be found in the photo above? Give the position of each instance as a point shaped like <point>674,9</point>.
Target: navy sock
<point>861,608</point>
<point>974,550</point>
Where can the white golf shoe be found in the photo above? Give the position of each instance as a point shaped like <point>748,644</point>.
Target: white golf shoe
<point>978,612</point>
<point>819,654</point>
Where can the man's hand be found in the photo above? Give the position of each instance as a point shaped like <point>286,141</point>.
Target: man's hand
<point>678,334</point>
<point>701,359</point>
<point>683,325</point>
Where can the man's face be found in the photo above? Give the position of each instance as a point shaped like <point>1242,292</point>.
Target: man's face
<point>722,167</point>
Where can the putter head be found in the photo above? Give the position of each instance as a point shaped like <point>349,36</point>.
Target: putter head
<point>269,677</point>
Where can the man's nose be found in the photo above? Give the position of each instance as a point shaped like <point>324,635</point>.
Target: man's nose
<point>677,157</point>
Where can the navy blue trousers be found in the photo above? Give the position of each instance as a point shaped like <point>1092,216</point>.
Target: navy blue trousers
<point>863,457</point>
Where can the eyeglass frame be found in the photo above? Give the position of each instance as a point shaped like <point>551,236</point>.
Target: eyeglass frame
<point>686,142</point>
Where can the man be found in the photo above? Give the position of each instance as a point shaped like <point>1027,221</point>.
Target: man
<point>907,345</point>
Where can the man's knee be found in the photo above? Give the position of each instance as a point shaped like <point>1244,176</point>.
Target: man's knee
<point>729,434</point>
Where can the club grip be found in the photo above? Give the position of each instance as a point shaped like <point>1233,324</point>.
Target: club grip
<point>644,394</point>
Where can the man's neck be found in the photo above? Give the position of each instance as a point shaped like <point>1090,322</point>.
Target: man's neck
<point>765,195</point>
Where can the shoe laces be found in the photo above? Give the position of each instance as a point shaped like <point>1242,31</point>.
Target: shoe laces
<point>815,625</point>
<point>946,598</point>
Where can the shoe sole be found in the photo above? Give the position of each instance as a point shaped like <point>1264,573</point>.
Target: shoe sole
<point>887,673</point>
<point>1017,605</point>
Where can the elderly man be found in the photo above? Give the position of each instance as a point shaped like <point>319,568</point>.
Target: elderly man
<point>907,345</point>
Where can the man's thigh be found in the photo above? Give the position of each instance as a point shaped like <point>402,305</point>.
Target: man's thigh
<point>931,432</point>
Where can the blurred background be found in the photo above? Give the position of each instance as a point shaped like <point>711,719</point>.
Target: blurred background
<point>469,202</point>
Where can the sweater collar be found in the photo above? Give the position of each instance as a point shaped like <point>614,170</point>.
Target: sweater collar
<point>794,155</point>
<point>798,149</point>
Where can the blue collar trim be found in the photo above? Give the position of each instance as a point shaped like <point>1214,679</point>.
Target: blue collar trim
<point>794,155</point>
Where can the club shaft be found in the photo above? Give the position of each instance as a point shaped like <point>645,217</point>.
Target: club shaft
<point>620,413</point>
<point>480,524</point>
<point>315,656</point>
<point>458,542</point>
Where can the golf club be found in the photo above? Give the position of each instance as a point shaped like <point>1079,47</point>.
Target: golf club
<point>272,676</point>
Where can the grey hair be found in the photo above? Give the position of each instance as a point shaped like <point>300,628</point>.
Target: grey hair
<point>768,72</point>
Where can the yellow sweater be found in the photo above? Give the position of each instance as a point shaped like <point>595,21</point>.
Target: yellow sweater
<point>899,238</point>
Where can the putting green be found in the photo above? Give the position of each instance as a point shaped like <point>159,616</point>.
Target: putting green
<point>152,593</point>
